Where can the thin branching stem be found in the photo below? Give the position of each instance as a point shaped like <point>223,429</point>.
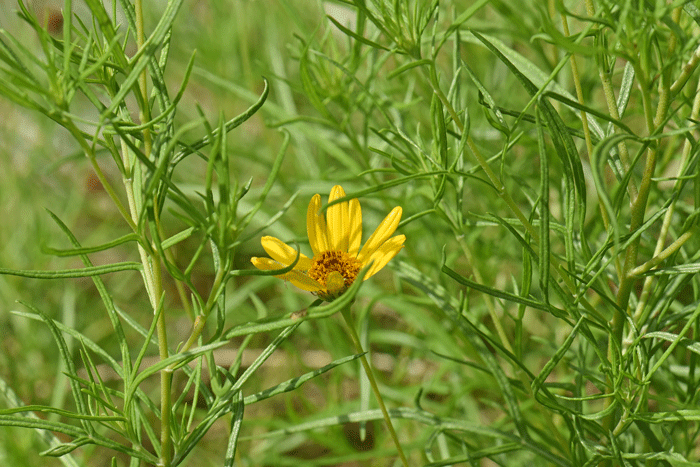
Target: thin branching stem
<point>576,76</point>
<point>201,320</point>
<point>347,316</point>
<point>152,262</point>
<point>611,102</point>
<point>640,315</point>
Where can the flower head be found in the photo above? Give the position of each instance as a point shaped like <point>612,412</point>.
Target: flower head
<point>335,241</point>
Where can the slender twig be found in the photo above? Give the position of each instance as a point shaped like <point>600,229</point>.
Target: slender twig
<point>151,262</point>
<point>611,102</point>
<point>201,319</point>
<point>586,130</point>
<point>662,255</point>
<point>666,224</point>
<point>370,375</point>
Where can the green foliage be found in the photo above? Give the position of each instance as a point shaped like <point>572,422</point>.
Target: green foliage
<point>545,308</point>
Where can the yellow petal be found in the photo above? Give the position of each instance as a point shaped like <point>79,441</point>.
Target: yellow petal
<point>383,232</point>
<point>304,282</point>
<point>384,254</point>
<point>297,278</point>
<point>338,221</point>
<point>285,254</point>
<point>355,230</point>
<point>316,226</point>
<point>266,264</point>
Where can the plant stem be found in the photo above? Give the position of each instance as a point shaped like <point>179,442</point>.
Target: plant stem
<point>576,77</point>
<point>201,320</point>
<point>151,260</point>
<point>665,91</point>
<point>640,314</point>
<point>368,370</point>
<point>610,100</point>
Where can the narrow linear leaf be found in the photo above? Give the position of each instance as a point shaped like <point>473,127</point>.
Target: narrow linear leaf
<point>176,361</point>
<point>86,250</point>
<point>683,415</point>
<point>356,36</point>
<point>38,423</point>
<point>47,436</point>
<point>143,55</point>
<point>314,312</point>
<point>690,268</point>
<point>61,412</point>
<point>69,365</point>
<point>428,419</point>
<point>498,293</point>
<point>65,448</point>
<point>237,409</point>
<point>230,125</point>
<point>89,271</point>
<point>468,329</point>
<point>408,66</point>
<point>224,405</point>
<point>294,383</point>
<point>689,344</point>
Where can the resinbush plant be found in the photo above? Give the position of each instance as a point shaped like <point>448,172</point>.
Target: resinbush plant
<point>545,308</point>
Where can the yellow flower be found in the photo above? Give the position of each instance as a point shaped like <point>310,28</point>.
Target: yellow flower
<point>335,242</point>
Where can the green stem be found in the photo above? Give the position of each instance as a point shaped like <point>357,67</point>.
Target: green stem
<point>483,163</point>
<point>90,153</point>
<point>152,266</point>
<point>495,319</point>
<point>638,209</point>
<point>201,320</point>
<point>686,72</point>
<point>661,256</point>
<point>370,375</point>
<point>639,315</point>
<point>639,205</point>
<point>611,102</point>
<point>576,77</point>
<point>503,193</point>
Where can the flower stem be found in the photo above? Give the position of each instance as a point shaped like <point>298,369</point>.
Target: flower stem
<point>368,370</point>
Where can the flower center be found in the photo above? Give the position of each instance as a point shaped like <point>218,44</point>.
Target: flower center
<point>336,271</point>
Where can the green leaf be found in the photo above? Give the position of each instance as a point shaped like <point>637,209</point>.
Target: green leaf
<point>544,244</point>
<point>65,448</point>
<point>502,294</point>
<point>47,436</point>
<point>62,413</point>
<point>143,55</point>
<point>683,415</point>
<point>100,14</point>
<point>465,15</point>
<point>466,428</point>
<point>88,271</point>
<point>38,423</point>
<point>230,125</point>
<point>83,251</point>
<point>294,383</point>
<point>223,405</point>
<point>689,344</point>
<point>565,149</point>
<point>314,312</point>
<point>356,36</point>
<point>174,361</point>
<point>237,409</point>
<point>689,268</point>
<point>475,338</point>
<point>67,360</point>
<point>272,177</point>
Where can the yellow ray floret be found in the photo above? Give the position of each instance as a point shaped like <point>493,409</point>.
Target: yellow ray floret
<point>335,241</point>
